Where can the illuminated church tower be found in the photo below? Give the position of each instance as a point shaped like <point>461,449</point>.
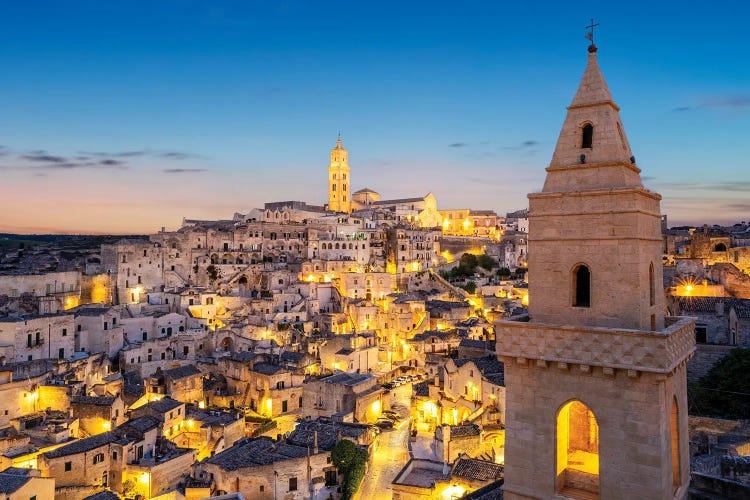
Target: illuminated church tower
<point>596,381</point>
<point>339,183</point>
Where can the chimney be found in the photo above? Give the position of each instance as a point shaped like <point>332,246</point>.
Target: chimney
<point>315,442</point>
<point>338,434</point>
<point>719,307</point>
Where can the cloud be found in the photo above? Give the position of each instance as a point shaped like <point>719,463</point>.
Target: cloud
<point>457,145</point>
<point>737,101</point>
<point>739,206</point>
<point>176,155</point>
<point>121,154</point>
<point>184,170</point>
<point>110,162</point>
<point>730,101</point>
<point>42,156</point>
<point>737,186</point>
<point>528,144</point>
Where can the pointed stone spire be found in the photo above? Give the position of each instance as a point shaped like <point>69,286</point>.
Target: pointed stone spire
<point>339,144</point>
<point>592,150</point>
<point>593,88</point>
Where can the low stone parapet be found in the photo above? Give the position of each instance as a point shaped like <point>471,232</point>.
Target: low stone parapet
<point>656,352</point>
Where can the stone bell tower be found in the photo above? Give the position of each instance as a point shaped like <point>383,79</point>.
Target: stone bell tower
<point>339,183</point>
<point>596,389</point>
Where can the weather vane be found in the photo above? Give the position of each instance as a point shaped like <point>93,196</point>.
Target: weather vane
<point>590,34</point>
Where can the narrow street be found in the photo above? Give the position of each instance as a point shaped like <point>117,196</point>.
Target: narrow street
<point>392,452</point>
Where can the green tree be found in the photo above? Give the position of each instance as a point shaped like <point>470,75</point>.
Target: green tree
<point>724,391</point>
<point>470,287</point>
<point>342,454</point>
<point>486,262</point>
<point>503,272</point>
<point>213,272</point>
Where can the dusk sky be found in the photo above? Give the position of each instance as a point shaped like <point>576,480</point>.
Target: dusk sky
<point>122,117</point>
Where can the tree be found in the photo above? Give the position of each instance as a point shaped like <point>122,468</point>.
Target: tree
<point>342,454</point>
<point>213,272</point>
<point>351,462</point>
<point>486,262</point>
<point>470,287</point>
<point>503,272</point>
<point>724,391</point>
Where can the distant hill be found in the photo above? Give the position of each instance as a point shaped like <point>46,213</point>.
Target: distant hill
<point>9,241</point>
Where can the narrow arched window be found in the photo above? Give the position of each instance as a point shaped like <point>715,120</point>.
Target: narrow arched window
<point>651,285</point>
<point>582,286</point>
<point>587,136</point>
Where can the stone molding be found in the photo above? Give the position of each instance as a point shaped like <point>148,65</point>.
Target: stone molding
<point>637,350</point>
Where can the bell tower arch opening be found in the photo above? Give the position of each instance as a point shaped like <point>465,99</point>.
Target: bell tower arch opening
<point>577,451</point>
<point>587,136</point>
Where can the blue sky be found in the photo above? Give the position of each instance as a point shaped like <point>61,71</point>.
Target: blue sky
<point>125,117</point>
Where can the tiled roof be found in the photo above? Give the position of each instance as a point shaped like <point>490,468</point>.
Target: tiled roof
<point>249,452</point>
<point>11,481</point>
<point>103,495</point>
<point>137,426</point>
<point>477,470</point>
<point>709,304</point>
<point>267,368</point>
<point>93,400</point>
<point>182,372</point>
<point>476,344</point>
<point>304,433</point>
<point>464,430</point>
<point>492,491</point>
<point>164,405</point>
<point>420,389</point>
<point>82,445</point>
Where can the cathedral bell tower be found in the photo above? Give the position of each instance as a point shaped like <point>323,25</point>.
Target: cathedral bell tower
<point>339,183</point>
<point>596,382</point>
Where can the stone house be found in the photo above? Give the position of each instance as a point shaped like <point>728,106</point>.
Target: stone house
<point>183,384</point>
<point>97,414</point>
<point>24,484</point>
<point>98,329</point>
<point>351,352</point>
<point>357,395</point>
<point>264,469</point>
<point>45,336</point>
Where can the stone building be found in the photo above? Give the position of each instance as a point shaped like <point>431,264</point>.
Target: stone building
<point>45,336</point>
<point>355,395</point>
<point>595,379</point>
<point>339,180</point>
<point>24,484</point>
<point>265,469</point>
<point>184,383</point>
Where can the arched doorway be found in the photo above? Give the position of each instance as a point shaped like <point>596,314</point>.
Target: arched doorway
<point>577,451</point>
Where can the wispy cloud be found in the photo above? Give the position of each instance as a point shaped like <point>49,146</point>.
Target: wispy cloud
<point>177,155</point>
<point>738,102</point>
<point>736,186</point>
<point>184,170</point>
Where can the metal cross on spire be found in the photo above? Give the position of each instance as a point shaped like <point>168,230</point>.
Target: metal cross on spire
<point>590,34</point>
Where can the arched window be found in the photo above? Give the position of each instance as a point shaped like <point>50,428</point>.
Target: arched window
<point>651,285</point>
<point>587,138</point>
<point>675,432</point>
<point>577,450</point>
<point>582,286</point>
<point>720,247</point>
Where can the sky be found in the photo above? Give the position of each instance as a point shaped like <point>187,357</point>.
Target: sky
<point>123,117</point>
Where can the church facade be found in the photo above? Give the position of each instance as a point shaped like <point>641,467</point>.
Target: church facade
<point>596,381</point>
